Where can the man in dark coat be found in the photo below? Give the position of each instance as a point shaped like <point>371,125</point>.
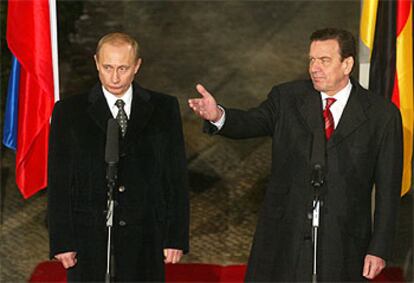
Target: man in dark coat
<point>151,214</point>
<point>365,149</point>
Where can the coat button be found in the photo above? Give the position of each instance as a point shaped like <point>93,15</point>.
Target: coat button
<point>122,223</point>
<point>121,189</point>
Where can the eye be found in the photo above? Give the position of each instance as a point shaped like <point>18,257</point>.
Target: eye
<point>123,69</point>
<point>326,61</point>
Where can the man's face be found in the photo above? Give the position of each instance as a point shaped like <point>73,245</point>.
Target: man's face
<point>117,67</point>
<point>328,72</point>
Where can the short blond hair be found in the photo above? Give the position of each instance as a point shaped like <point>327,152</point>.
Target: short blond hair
<point>118,38</point>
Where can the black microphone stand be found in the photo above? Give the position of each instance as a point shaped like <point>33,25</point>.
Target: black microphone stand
<point>112,172</point>
<point>317,181</point>
<point>111,158</point>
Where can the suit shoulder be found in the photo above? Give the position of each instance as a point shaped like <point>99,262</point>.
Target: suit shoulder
<point>298,84</point>
<point>73,101</point>
<point>379,103</point>
<point>159,99</point>
<point>69,106</point>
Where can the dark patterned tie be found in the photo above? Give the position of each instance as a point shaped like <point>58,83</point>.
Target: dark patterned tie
<point>327,116</point>
<point>121,117</point>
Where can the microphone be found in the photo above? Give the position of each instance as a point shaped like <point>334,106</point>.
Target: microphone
<point>112,149</point>
<point>318,159</point>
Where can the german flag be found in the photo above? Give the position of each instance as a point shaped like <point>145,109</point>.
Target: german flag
<point>387,45</point>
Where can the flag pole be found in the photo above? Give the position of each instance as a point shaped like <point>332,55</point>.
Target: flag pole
<point>54,44</point>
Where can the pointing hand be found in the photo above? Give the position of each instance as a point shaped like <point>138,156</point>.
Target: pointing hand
<point>206,106</point>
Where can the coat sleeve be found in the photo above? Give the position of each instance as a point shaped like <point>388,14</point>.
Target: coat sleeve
<point>255,122</point>
<point>388,175</point>
<point>177,234</point>
<point>61,232</point>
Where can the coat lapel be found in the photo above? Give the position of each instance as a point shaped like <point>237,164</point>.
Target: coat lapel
<point>352,117</point>
<point>98,108</point>
<point>141,110</point>
<point>309,105</point>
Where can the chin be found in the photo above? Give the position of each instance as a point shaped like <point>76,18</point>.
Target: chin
<point>317,87</point>
<point>116,91</point>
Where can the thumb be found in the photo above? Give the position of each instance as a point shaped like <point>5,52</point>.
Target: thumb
<point>367,267</point>
<point>202,90</point>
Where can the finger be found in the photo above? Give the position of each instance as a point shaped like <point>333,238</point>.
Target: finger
<point>378,270</point>
<point>168,257</point>
<point>375,272</point>
<point>174,257</point>
<point>372,271</point>
<point>195,102</point>
<point>165,255</point>
<point>177,257</point>
<point>202,90</point>
<point>67,262</point>
<point>366,270</point>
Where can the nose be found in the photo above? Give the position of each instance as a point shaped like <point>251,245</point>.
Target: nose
<point>314,66</point>
<point>115,77</point>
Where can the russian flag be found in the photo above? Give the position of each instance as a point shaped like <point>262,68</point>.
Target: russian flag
<point>33,89</point>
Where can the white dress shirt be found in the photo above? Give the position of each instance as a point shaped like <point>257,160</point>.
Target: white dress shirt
<point>111,99</point>
<point>337,108</point>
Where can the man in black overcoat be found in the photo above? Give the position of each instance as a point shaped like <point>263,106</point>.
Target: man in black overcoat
<point>151,214</point>
<point>364,149</point>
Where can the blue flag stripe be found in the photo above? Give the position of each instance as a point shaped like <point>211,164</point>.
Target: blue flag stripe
<point>10,117</point>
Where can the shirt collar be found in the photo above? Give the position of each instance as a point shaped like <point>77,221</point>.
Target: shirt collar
<point>341,96</point>
<point>111,99</point>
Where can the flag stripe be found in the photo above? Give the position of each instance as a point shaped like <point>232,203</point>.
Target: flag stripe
<point>10,116</point>
<point>404,73</point>
<point>403,12</point>
<point>382,69</point>
<point>367,26</point>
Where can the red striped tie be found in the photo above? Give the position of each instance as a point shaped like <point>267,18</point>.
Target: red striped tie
<point>327,116</point>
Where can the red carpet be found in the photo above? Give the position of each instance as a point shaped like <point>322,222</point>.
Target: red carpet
<point>52,271</point>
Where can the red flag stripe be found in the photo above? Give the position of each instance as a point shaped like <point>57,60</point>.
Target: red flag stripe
<point>395,98</point>
<point>403,12</point>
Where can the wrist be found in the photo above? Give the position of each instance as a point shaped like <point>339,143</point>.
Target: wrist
<point>218,115</point>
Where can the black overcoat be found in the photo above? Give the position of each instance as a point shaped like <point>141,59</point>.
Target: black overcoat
<point>151,209</point>
<point>365,149</point>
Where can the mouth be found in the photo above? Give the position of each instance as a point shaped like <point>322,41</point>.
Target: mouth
<point>317,79</point>
<point>115,87</point>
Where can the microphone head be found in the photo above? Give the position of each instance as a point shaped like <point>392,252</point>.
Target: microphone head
<point>112,142</point>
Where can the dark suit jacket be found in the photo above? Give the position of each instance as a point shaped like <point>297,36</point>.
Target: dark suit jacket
<point>151,211</point>
<point>365,149</point>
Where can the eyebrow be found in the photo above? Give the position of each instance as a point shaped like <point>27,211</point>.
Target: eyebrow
<point>323,57</point>
<point>121,66</point>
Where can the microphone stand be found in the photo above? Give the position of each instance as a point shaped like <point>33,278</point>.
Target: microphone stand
<point>111,159</point>
<point>317,182</point>
<point>111,176</point>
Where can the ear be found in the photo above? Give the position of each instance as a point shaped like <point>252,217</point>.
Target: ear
<point>96,61</point>
<point>348,63</point>
<point>137,65</point>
